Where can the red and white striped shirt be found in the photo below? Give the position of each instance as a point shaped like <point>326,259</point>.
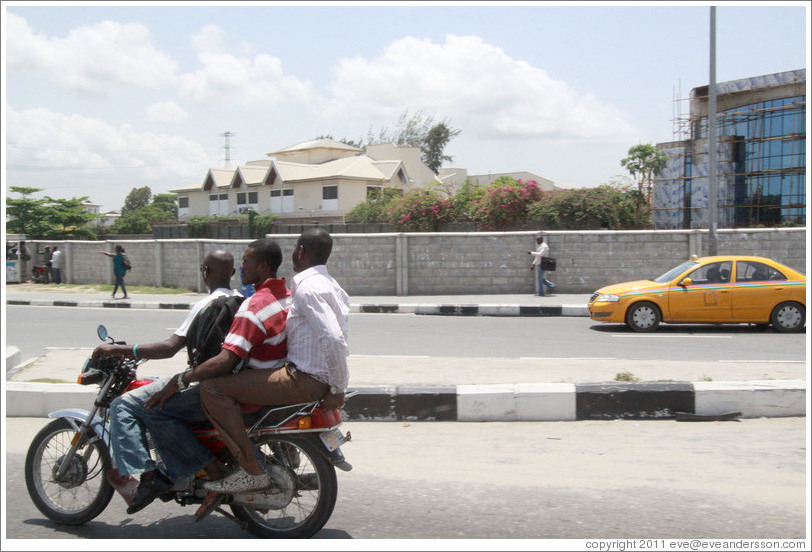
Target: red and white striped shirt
<point>259,326</point>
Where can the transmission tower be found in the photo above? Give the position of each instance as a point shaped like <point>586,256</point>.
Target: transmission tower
<point>227,135</point>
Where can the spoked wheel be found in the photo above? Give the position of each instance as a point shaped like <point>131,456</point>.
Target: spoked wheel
<point>304,491</point>
<point>83,492</point>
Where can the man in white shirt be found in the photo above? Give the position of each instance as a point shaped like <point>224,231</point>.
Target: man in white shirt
<point>542,250</point>
<point>318,317</point>
<point>57,263</point>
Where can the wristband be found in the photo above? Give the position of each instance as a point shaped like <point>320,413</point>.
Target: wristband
<point>135,348</point>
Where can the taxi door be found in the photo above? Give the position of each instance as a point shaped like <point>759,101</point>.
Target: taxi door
<point>707,299</point>
<point>758,288</point>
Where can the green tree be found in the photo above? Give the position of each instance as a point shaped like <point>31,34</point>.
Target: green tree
<point>644,163</point>
<point>68,218</point>
<point>140,221</point>
<point>26,214</point>
<point>602,207</point>
<point>136,199</point>
<point>167,203</point>
<point>434,143</point>
<point>47,218</point>
<point>419,131</point>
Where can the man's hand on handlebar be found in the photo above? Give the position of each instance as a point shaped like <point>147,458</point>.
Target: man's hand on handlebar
<point>108,350</point>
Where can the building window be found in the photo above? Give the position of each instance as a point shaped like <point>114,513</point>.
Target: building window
<point>329,198</point>
<point>183,206</point>
<point>374,193</point>
<point>282,201</point>
<point>247,201</point>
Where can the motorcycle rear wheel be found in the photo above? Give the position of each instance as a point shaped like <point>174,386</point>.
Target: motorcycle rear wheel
<point>312,500</point>
<point>83,493</point>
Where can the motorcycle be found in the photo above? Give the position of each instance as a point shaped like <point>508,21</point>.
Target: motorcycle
<point>68,462</point>
<point>41,274</point>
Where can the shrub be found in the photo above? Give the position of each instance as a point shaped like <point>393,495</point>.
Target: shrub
<point>421,210</point>
<point>374,208</point>
<point>602,207</point>
<point>505,203</point>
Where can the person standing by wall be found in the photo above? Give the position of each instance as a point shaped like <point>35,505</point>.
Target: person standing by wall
<point>542,250</point>
<point>118,269</point>
<point>57,262</point>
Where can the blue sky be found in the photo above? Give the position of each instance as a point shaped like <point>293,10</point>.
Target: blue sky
<point>98,100</point>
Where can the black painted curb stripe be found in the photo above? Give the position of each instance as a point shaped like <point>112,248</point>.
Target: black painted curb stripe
<point>17,302</point>
<point>594,401</point>
<point>380,308</point>
<point>540,311</point>
<point>629,401</point>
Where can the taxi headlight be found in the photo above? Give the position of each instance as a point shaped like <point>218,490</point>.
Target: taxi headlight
<point>607,298</point>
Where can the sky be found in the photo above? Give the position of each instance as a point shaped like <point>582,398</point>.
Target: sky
<point>101,98</point>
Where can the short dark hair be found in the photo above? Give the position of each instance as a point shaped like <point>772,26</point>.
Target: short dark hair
<point>268,251</point>
<point>318,243</point>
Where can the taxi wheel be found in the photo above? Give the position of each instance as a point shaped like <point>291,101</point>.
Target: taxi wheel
<point>788,317</point>
<point>643,317</point>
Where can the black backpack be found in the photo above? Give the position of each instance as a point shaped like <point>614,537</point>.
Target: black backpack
<point>208,330</point>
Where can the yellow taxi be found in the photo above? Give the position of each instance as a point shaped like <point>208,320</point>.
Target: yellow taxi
<point>716,290</point>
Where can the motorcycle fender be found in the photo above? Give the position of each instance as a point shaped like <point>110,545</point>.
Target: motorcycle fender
<point>76,416</point>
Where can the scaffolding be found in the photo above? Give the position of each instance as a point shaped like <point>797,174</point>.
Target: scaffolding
<point>763,135</point>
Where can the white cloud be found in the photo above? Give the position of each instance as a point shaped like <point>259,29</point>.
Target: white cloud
<point>239,81</point>
<point>74,156</point>
<point>93,59</point>
<point>167,112</point>
<point>477,86</point>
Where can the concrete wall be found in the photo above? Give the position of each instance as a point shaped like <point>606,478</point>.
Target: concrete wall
<point>447,263</point>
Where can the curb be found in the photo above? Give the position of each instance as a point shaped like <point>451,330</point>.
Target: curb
<point>428,309</point>
<point>548,402</point>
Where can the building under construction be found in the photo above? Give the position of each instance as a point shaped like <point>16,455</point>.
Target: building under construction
<point>761,156</point>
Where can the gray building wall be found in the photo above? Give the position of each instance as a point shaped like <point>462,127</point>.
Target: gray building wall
<point>447,263</point>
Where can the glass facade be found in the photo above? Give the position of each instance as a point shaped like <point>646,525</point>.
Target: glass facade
<point>770,157</point>
<point>760,161</point>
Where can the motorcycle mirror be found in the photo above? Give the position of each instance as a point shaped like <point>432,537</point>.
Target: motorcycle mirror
<point>102,332</point>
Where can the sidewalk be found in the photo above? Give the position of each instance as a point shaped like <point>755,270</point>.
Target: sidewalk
<point>463,305</point>
<point>461,389</point>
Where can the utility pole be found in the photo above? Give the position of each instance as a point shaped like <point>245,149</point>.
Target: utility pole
<point>713,180</point>
<point>227,135</point>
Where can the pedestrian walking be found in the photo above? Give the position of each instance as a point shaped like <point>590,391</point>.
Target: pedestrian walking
<point>119,270</point>
<point>542,251</point>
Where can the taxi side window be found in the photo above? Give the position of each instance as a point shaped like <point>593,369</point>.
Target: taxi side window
<point>714,273</point>
<point>753,271</point>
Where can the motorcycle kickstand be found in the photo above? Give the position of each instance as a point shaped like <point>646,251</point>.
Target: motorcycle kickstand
<point>243,525</point>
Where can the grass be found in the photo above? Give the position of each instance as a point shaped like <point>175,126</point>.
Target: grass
<point>626,376</point>
<point>99,288</point>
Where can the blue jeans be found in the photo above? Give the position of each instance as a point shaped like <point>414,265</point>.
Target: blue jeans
<point>182,454</point>
<point>542,281</point>
<point>57,273</point>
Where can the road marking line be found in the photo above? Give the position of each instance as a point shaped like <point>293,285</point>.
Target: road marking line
<point>567,358</point>
<point>675,336</point>
<point>763,361</point>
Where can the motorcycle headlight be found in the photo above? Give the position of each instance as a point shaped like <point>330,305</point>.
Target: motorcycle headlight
<point>608,298</point>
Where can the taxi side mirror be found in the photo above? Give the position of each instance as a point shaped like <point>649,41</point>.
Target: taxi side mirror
<point>686,282</point>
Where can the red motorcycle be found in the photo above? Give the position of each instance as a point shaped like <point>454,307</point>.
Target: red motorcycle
<point>41,274</point>
<point>68,463</point>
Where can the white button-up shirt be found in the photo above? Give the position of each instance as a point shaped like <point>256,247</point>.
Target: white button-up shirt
<point>317,327</point>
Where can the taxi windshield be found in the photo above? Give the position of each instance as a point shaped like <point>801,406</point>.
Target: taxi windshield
<point>674,272</point>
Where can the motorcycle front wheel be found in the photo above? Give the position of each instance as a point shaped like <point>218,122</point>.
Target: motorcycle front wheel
<point>306,480</point>
<point>83,492</point>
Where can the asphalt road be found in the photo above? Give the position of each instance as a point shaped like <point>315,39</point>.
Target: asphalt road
<point>517,480</point>
<point>31,329</point>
